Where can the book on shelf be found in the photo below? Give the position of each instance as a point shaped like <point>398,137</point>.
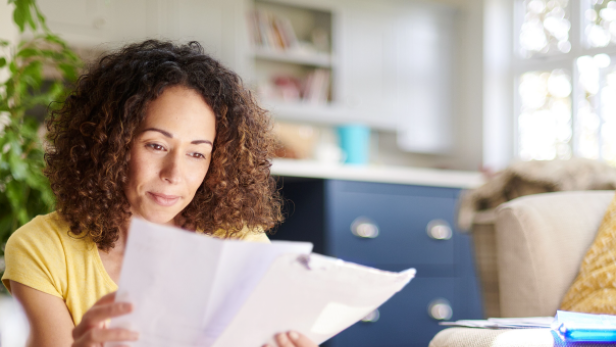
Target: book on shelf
<point>270,31</point>
<point>316,89</point>
<point>254,28</point>
<point>283,26</point>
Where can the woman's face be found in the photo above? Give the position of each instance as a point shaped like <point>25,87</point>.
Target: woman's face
<point>170,155</point>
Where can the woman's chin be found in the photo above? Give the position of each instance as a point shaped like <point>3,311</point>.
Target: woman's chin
<point>158,218</point>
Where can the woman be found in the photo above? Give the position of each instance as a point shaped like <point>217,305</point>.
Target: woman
<point>155,130</point>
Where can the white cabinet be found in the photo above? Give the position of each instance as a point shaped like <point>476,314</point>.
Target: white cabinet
<point>424,78</point>
<point>95,22</point>
<point>396,73</point>
<point>364,52</point>
<point>217,24</point>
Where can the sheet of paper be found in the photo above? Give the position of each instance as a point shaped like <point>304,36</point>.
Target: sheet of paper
<point>186,287</point>
<point>316,295</point>
<point>241,267</point>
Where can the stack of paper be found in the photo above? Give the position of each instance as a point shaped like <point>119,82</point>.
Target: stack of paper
<point>504,323</point>
<point>191,290</point>
<point>570,326</point>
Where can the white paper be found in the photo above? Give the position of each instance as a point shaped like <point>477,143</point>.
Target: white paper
<point>504,323</point>
<point>169,276</point>
<point>192,290</point>
<point>316,295</point>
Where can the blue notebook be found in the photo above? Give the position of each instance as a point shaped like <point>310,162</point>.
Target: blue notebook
<point>585,327</point>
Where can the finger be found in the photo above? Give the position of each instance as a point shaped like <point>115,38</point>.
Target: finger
<point>106,299</point>
<point>283,340</point>
<point>96,336</point>
<point>300,340</point>
<point>98,314</point>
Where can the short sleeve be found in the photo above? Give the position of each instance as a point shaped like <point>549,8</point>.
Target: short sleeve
<point>33,257</point>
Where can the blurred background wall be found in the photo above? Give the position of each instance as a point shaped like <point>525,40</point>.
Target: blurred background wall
<point>411,71</point>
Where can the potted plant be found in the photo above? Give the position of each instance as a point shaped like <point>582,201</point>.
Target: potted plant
<point>24,190</point>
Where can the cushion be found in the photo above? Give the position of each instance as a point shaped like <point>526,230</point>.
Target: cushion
<point>594,289</point>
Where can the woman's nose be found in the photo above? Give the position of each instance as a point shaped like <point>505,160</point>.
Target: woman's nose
<point>172,168</point>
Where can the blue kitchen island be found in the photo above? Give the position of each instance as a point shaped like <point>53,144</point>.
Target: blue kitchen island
<point>391,219</point>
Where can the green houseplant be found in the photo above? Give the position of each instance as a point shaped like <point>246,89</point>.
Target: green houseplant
<point>24,190</point>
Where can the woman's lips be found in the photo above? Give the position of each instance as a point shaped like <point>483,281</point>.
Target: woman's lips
<point>164,200</point>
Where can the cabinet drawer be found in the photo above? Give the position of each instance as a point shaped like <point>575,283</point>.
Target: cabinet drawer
<point>403,320</point>
<point>402,223</point>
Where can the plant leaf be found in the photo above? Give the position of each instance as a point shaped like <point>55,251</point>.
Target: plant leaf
<point>19,169</point>
<point>2,62</point>
<point>69,71</point>
<point>13,67</point>
<point>31,20</point>
<point>19,16</point>
<point>70,55</point>
<point>5,224</point>
<point>41,17</point>
<point>32,74</point>
<point>14,192</point>
<point>28,52</point>
<point>55,39</point>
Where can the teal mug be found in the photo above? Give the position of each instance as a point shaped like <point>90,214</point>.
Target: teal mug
<point>354,141</point>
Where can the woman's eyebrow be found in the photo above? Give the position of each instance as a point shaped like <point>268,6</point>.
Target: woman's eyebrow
<point>170,135</point>
<point>166,133</point>
<point>196,142</point>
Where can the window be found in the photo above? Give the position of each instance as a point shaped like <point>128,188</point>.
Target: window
<point>565,76</point>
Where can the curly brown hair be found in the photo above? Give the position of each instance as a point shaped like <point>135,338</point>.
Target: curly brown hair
<point>90,138</point>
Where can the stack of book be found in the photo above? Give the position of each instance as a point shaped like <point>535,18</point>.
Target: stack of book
<point>313,89</point>
<point>269,31</point>
<point>316,87</point>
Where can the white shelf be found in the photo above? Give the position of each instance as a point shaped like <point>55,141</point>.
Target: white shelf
<point>294,57</point>
<point>327,113</point>
<point>301,110</point>
<point>383,174</point>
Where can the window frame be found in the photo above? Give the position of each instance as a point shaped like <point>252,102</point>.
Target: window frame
<point>566,61</point>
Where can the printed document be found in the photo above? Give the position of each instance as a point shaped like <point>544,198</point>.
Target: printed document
<point>190,290</point>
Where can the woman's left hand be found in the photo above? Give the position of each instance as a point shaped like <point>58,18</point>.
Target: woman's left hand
<point>293,339</point>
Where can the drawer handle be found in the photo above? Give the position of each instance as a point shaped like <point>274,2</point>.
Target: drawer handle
<point>364,228</point>
<point>440,309</point>
<point>372,317</point>
<point>439,229</point>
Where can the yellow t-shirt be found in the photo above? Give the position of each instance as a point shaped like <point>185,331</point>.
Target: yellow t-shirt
<point>42,255</point>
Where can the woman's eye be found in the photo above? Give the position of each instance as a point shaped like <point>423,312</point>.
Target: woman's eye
<point>198,155</point>
<point>155,146</point>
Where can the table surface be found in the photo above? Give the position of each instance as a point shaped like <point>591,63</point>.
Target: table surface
<point>383,174</point>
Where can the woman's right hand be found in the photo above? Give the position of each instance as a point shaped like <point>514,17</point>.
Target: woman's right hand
<point>92,330</point>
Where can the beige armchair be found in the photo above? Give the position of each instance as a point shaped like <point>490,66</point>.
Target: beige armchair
<point>541,241</point>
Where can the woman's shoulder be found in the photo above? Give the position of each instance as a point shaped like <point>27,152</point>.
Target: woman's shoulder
<point>47,234</point>
<point>35,255</point>
<point>44,227</point>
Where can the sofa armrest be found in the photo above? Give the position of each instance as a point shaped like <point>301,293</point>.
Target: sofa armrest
<point>541,241</point>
